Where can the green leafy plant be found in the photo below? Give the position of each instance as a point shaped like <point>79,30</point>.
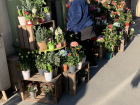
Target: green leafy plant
<point>81,54</point>
<point>72,59</point>
<point>41,35</point>
<point>41,15</point>
<point>28,17</point>
<point>31,87</point>
<point>47,67</point>
<point>20,11</point>
<point>47,9</point>
<point>83,72</point>
<point>47,88</point>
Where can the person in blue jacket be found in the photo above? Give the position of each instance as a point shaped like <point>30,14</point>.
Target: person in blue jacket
<point>79,21</point>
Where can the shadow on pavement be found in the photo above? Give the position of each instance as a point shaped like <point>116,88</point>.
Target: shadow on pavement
<point>136,80</point>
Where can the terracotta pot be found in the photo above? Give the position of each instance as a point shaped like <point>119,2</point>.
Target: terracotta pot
<point>41,20</point>
<point>59,45</point>
<point>29,22</point>
<point>126,24</point>
<point>64,67</point>
<point>41,46</point>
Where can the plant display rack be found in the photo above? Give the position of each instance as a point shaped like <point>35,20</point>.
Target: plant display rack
<point>27,37</point>
<point>45,51</point>
<point>98,48</point>
<point>69,80</point>
<point>40,97</point>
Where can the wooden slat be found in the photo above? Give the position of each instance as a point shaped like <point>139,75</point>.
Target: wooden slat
<point>4,95</point>
<point>121,47</point>
<point>65,82</point>
<point>26,38</point>
<point>40,98</point>
<point>72,84</point>
<point>20,35</point>
<point>31,36</point>
<point>41,78</point>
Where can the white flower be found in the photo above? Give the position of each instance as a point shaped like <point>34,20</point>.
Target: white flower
<point>35,88</point>
<point>59,31</point>
<point>132,29</point>
<point>51,29</point>
<point>116,24</point>
<point>34,10</point>
<point>56,32</point>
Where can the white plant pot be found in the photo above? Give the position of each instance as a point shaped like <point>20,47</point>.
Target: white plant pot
<point>83,60</point>
<point>48,17</point>
<point>22,20</point>
<point>79,65</point>
<point>48,76</point>
<point>26,74</point>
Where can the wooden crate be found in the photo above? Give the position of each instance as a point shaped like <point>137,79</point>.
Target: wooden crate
<point>40,97</point>
<point>98,50</point>
<point>27,37</point>
<point>126,34</point>
<point>69,81</point>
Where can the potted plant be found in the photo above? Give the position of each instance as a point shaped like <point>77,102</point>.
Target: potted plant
<point>39,64</point>
<point>64,62</point>
<point>81,75</point>
<point>41,18</point>
<point>131,34</point>
<point>32,90</point>
<point>47,13</point>
<point>82,56</point>
<point>100,40</point>
<point>110,41</point>
<point>41,38</point>
<point>29,19</point>
<point>58,33</point>
<point>127,21</point>
<point>47,89</point>
<point>48,72</point>
<point>34,15</point>
<point>72,62</point>
<point>79,60</point>
<point>21,16</point>
<point>51,44</point>
<point>25,70</point>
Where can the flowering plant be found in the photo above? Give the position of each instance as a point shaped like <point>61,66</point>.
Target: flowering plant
<point>46,87</point>
<point>31,87</point>
<point>74,44</point>
<point>63,56</point>
<point>72,59</point>
<point>58,35</point>
<point>100,39</point>
<point>28,17</point>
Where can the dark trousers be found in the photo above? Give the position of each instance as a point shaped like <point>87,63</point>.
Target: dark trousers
<point>86,47</point>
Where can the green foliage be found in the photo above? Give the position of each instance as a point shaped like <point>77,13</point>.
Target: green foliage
<point>28,17</point>
<point>31,87</point>
<point>47,9</point>
<point>24,66</point>
<point>41,15</point>
<point>72,59</point>
<point>47,67</point>
<point>41,35</point>
<point>47,87</point>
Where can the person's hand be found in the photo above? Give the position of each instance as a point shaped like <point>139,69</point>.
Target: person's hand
<point>76,33</point>
<point>66,29</point>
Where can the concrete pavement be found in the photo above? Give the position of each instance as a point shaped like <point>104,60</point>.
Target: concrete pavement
<point>114,82</point>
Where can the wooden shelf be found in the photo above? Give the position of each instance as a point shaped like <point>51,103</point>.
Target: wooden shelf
<point>69,80</point>
<point>40,98</point>
<point>45,51</point>
<point>41,78</point>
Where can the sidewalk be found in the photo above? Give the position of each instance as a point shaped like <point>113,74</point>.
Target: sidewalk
<point>114,82</point>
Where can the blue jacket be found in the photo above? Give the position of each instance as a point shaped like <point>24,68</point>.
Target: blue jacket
<point>79,16</point>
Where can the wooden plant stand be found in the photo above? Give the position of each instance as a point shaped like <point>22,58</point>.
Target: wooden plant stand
<point>69,81</point>
<point>99,49</point>
<point>40,97</point>
<point>27,37</point>
<point>121,46</point>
